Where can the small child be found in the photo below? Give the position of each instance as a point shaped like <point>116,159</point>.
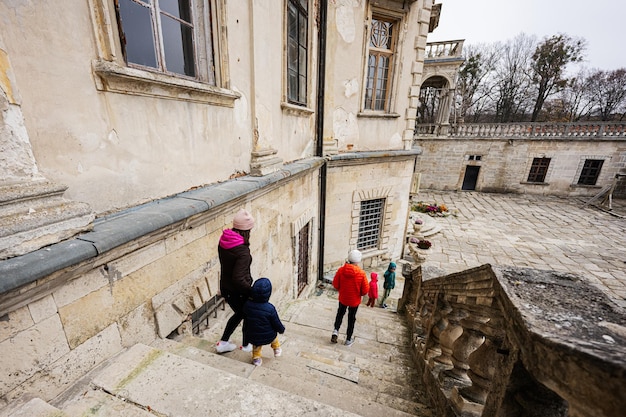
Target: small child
<point>389,284</point>
<point>373,292</point>
<point>261,322</point>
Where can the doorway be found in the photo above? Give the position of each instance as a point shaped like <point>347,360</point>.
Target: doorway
<point>471,177</point>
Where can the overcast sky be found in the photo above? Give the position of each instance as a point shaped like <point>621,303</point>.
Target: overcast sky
<point>601,22</point>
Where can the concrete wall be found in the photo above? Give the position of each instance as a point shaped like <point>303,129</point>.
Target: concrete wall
<point>505,164</point>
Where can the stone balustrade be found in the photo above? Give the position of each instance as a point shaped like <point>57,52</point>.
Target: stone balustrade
<point>498,341</point>
<point>443,50</point>
<point>526,130</point>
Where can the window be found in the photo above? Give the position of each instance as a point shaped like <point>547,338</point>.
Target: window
<point>370,222</point>
<point>590,172</point>
<point>297,51</point>
<point>538,170</point>
<point>161,35</point>
<point>382,42</point>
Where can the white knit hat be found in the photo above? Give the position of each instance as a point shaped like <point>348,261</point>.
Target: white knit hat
<point>354,256</point>
<point>243,220</point>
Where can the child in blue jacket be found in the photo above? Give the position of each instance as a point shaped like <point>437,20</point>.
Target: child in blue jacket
<point>261,323</point>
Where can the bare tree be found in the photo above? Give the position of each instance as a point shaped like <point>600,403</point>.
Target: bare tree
<point>576,97</point>
<point>513,82</point>
<point>609,93</point>
<point>473,86</point>
<point>548,64</point>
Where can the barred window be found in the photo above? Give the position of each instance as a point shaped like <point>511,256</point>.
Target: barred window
<point>297,51</point>
<point>370,223</point>
<point>538,170</point>
<point>590,172</point>
<point>382,44</point>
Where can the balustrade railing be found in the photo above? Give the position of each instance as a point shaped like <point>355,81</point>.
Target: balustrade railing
<point>500,341</point>
<point>526,130</point>
<point>445,49</point>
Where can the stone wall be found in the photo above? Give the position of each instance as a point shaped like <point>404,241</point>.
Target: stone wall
<point>504,341</point>
<point>77,317</point>
<point>351,181</point>
<point>505,164</point>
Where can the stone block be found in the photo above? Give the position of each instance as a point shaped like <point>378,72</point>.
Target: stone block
<point>138,326</point>
<point>42,309</point>
<point>183,238</point>
<point>89,315</point>
<point>31,351</point>
<point>15,322</point>
<point>64,372</point>
<point>136,260</point>
<point>80,287</point>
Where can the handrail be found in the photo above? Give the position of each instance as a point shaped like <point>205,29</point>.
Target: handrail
<point>518,341</point>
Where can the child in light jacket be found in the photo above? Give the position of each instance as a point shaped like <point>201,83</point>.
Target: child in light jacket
<point>261,323</point>
<point>373,292</point>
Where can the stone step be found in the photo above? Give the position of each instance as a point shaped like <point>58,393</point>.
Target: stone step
<point>377,367</point>
<point>314,382</point>
<point>32,407</point>
<point>145,381</point>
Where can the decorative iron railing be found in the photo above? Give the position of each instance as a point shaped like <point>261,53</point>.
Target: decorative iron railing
<point>513,341</point>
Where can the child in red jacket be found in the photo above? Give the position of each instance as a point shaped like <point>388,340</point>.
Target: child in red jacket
<point>351,282</point>
<point>373,292</point>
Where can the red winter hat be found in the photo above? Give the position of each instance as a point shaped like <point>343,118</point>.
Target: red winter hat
<point>243,220</point>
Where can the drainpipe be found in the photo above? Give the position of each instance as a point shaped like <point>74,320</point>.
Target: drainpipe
<point>319,133</point>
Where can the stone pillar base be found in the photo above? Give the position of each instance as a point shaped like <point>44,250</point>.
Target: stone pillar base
<point>265,162</point>
<point>34,214</point>
<point>331,147</point>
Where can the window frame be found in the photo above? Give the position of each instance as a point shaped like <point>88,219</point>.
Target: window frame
<point>539,170</point>
<point>396,20</point>
<point>158,19</point>
<point>288,100</point>
<point>113,74</point>
<point>585,175</point>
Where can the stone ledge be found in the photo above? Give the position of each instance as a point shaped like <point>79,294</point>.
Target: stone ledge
<point>121,228</point>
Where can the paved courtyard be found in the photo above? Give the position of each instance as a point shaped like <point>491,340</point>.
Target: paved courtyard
<point>562,234</point>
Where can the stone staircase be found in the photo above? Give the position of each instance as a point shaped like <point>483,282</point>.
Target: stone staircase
<point>183,376</point>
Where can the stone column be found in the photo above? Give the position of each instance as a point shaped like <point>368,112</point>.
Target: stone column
<point>33,212</point>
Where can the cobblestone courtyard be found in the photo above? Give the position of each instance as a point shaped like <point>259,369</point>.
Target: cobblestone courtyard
<point>561,234</point>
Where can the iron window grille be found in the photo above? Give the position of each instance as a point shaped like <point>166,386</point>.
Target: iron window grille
<point>590,172</point>
<point>370,223</point>
<point>538,170</point>
<point>159,34</point>
<point>297,51</point>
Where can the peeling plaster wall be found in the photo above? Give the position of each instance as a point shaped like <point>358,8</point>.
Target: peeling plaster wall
<point>117,150</point>
<point>346,124</point>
